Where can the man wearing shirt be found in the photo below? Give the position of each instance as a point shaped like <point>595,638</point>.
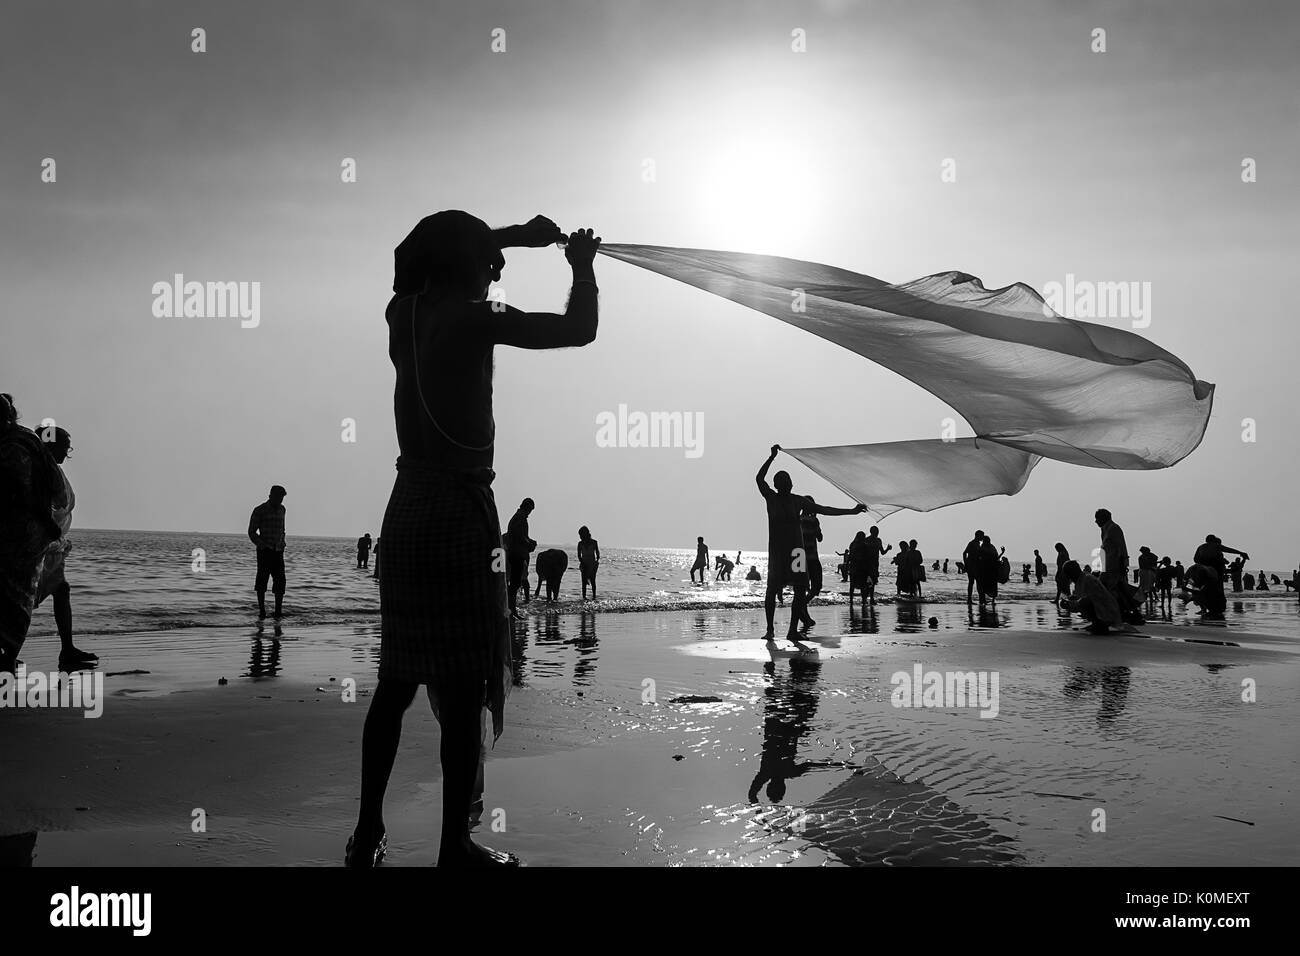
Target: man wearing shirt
<point>1114,568</point>
<point>266,531</point>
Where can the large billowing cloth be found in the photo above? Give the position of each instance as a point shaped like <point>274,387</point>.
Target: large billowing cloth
<point>920,474</point>
<point>1021,375</point>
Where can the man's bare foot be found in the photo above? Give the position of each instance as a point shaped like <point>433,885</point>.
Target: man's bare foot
<point>769,636</point>
<point>471,854</point>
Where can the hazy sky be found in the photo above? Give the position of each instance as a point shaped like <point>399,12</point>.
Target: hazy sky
<point>225,166</point>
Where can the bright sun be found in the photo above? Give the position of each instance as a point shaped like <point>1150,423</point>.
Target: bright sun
<point>758,195</point>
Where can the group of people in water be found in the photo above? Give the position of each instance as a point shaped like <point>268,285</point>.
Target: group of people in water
<point>550,565</point>
<point>1101,595</point>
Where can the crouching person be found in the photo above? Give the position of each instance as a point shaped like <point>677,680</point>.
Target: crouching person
<point>1090,598</point>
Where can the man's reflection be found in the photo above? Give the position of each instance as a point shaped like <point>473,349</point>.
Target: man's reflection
<point>790,704</point>
<point>1111,681</point>
<point>264,662</point>
<point>585,648</point>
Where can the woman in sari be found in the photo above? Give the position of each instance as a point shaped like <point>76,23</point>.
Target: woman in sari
<point>28,484</point>
<point>442,595</point>
<point>988,571</point>
<point>906,569</point>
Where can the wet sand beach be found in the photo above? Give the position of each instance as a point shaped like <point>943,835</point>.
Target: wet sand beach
<point>680,738</point>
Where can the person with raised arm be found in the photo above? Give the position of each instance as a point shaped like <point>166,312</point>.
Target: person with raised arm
<point>443,611</point>
<point>787,563</point>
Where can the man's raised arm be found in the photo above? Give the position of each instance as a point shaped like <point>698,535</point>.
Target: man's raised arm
<point>534,234</point>
<point>761,477</point>
<point>828,510</point>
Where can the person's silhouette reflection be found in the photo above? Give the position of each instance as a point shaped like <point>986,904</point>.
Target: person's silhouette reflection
<point>865,622</point>
<point>585,647</point>
<point>790,705</point>
<point>985,617</point>
<point>1112,682</point>
<point>264,662</point>
<point>909,617</point>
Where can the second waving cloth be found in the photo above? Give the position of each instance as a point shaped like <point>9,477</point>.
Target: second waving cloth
<point>1032,384</point>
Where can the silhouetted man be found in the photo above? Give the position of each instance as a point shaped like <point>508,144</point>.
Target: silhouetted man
<point>266,531</point>
<point>1210,556</point>
<point>518,547</point>
<point>970,559</point>
<point>701,559</point>
<point>787,562</point>
<point>1114,568</point>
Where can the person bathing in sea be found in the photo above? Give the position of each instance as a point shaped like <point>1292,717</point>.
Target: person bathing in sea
<point>787,561</point>
<point>266,531</point>
<point>518,546</point>
<point>588,560</point>
<point>701,559</point>
<point>970,559</point>
<point>444,616</point>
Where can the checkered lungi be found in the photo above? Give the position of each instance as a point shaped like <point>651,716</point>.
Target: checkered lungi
<point>442,596</point>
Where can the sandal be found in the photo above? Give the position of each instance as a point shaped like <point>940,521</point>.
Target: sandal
<point>353,857</point>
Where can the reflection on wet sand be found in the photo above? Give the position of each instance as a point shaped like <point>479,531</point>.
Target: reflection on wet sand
<point>876,817</point>
<point>264,662</point>
<point>1111,682</point>
<point>789,705</point>
<point>873,817</point>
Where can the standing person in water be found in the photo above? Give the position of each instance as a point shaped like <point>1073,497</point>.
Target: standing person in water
<point>588,560</point>
<point>988,571</point>
<point>518,547</point>
<point>266,531</point>
<point>1115,564</point>
<point>701,559</point>
<point>864,564</point>
<point>1165,575</point>
<point>903,561</point>
<point>1040,567</point>
<point>970,558</point>
<point>1062,583</point>
<point>918,567</point>
<point>363,550</point>
<point>811,529</point>
<point>1235,570</point>
<point>442,596</point>
<point>787,562</point>
<point>1210,556</point>
<point>28,486</point>
<point>53,582</point>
